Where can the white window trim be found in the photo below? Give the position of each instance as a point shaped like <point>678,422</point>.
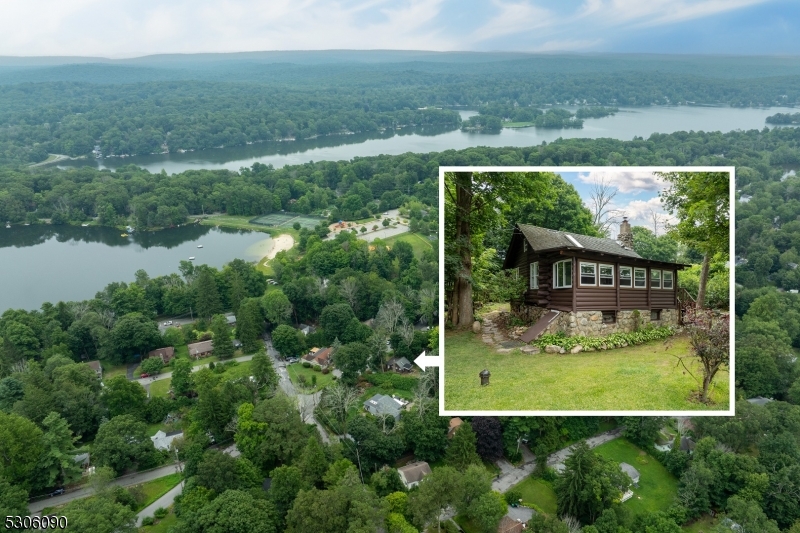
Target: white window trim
<point>555,275</point>
<point>533,276</point>
<point>613,283</point>
<point>635,270</point>
<point>630,271</point>
<point>652,271</point>
<point>580,274</point>
<point>671,280</point>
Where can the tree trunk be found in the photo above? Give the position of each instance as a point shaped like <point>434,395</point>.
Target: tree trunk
<point>461,314</point>
<point>701,290</point>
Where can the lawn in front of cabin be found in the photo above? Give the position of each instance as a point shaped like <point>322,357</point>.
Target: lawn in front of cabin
<point>645,377</point>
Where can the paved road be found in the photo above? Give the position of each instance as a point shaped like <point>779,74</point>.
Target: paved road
<point>510,476</point>
<point>124,481</point>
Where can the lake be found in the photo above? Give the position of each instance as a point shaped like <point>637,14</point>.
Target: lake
<point>52,263</point>
<point>625,125</point>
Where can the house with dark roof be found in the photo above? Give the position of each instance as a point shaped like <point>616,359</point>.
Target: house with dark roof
<point>399,364</point>
<point>165,354</point>
<point>509,525</point>
<point>632,473</point>
<point>589,286</point>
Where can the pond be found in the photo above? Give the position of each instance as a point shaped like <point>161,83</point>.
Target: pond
<point>51,263</point>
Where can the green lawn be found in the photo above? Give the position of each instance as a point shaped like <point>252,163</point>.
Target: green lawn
<point>163,525</point>
<point>537,492</point>
<point>418,243</point>
<point>466,524</point>
<point>657,487</point>
<point>242,369</point>
<point>153,490</point>
<point>643,377</point>
<point>114,371</point>
<point>296,370</point>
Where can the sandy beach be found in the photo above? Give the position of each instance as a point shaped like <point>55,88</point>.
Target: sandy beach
<point>281,243</point>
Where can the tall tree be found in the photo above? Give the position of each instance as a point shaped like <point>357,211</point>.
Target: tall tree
<point>123,397</point>
<point>277,307</point>
<point>207,300</point>
<point>461,451</point>
<point>264,373</point>
<point>471,202</point>
<point>182,381</point>
<point>701,202</point>
<point>20,448</point>
<point>250,325</point>
<point>56,466</point>
<point>223,344</point>
<point>589,484</point>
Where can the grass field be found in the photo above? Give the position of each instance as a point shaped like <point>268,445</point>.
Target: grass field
<point>296,370</point>
<point>705,524</point>
<point>418,243</point>
<point>643,377</point>
<point>153,490</point>
<point>657,487</point>
<point>163,525</point>
<point>539,493</point>
<point>242,369</point>
<point>114,371</point>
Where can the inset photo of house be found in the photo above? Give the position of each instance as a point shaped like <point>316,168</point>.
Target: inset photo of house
<point>586,290</point>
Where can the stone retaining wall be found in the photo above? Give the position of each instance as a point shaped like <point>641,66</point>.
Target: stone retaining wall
<point>590,323</point>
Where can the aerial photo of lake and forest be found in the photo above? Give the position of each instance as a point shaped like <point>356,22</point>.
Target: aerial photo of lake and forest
<point>228,278</point>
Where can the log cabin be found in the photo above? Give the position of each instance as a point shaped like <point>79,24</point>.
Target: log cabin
<point>589,286</point>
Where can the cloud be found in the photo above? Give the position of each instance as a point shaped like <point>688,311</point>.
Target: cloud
<point>125,28</point>
<point>634,181</point>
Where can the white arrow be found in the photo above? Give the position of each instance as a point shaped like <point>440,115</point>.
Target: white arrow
<point>423,361</point>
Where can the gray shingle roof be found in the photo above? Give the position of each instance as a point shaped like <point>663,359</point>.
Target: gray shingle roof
<point>541,239</point>
<point>383,405</point>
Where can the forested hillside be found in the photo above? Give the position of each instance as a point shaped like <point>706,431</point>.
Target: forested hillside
<point>156,105</point>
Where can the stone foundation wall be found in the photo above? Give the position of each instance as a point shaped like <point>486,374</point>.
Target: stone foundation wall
<point>590,323</point>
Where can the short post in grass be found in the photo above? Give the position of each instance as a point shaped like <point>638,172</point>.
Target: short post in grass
<point>485,376</point>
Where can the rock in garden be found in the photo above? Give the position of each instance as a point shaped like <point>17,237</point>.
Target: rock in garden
<point>562,350</point>
<point>530,349</point>
<point>505,350</point>
<point>552,348</point>
<point>576,349</point>
<point>476,327</point>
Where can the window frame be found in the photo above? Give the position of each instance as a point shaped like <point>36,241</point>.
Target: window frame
<point>533,276</point>
<point>653,280</point>
<point>629,269</point>
<point>600,275</point>
<point>635,270</point>
<point>664,279</point>
<point>613,315</point>
<point>580,274</point>
<point>657,313</point>
<point>555,274</point>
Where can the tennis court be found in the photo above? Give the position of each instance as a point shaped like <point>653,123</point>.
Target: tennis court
<point>287,220</point>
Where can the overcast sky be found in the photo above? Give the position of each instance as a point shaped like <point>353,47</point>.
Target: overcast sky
<point>129,28</point>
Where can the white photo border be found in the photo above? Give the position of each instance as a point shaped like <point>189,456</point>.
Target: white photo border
<point>732,218</point>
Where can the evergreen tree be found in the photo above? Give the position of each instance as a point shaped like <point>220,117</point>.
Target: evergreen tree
<point>313,463</point>
<point>223,345</point>
<point>461,452</point>
<point>56,466</point>
<point>250,325</point>
<point>207,301</point>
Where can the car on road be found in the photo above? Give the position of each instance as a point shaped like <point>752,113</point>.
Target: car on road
<point>292,360</point>
<point>144,375</point>
<point>57,492</point>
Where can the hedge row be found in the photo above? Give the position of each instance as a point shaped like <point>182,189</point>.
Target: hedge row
<point>394,381</point>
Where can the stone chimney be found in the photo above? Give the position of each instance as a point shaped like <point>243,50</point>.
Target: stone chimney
<point>625,236</point>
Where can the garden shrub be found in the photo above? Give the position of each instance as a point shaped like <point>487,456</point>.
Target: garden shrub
<point>147,521</point>
<point>306,364</point>
<point>615,340</point>
<point>513,496</point>
<point>326,370</point>
<point>160,513</point>
<point>317,369</point>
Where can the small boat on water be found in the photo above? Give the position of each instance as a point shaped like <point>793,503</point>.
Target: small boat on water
<point>123,235</point>
<point>8,226</point>
<point>199,245</point>
<point>191,258</point>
